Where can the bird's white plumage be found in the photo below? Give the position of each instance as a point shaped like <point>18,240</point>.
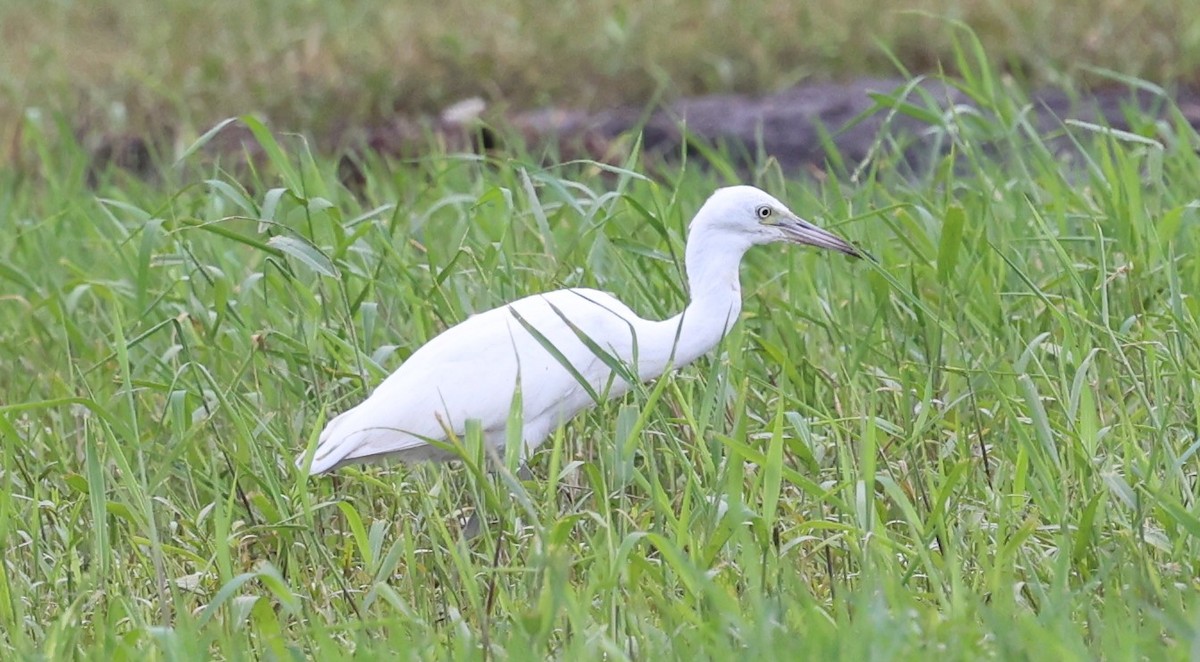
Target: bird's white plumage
<point>472,370</point>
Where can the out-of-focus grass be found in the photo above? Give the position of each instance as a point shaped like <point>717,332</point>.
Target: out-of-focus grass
<point>984,445</point>
<point>311,66</point>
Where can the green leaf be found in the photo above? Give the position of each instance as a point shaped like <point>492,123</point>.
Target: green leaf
<point>278,158</point>
<point>950,243</point>
<point>305,252</point>
<point>204,139</point>
<point>773,471</point>
<point>17,276</point>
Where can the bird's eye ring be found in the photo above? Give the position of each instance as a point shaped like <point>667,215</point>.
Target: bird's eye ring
<point>764,212</point>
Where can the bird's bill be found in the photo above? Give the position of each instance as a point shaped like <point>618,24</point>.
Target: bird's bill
<point>800,231</point>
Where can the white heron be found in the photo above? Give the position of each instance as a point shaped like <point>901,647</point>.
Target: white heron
<point>473,369</point>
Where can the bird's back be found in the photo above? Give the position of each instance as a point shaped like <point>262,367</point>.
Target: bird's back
<point>471,371</point>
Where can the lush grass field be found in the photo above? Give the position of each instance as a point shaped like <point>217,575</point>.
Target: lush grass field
<point>982,445</point>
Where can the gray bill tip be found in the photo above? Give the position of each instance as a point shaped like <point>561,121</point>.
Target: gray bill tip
<point>802,232</point>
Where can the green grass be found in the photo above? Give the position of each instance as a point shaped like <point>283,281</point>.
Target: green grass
<point>984,445</point>
<point>175,67</point>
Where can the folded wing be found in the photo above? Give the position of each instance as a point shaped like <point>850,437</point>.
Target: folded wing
<point>472,371</point>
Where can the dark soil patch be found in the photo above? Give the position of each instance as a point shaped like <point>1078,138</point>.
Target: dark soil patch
<point>796,127</point>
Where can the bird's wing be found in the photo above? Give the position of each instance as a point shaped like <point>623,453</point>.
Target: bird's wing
<point>471,370</point>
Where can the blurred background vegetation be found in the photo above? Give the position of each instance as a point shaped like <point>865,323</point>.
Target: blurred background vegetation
<point>317,66</point>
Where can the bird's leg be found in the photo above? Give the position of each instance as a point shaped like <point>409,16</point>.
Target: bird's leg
<point>474,523</point>
<point>472,526</point>
<point>524,473</point>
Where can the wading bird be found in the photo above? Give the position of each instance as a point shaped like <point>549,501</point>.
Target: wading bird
<point>474,369</point>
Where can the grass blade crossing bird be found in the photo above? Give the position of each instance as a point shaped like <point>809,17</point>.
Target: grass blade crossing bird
<point>473,369</point>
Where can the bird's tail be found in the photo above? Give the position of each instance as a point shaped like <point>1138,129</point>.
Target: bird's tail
<point>356,436</point>
<point>333,447</point>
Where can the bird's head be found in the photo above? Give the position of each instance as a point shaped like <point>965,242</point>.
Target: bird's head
<point>747,214</point>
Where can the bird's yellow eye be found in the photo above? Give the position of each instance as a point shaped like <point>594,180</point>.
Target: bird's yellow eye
<point>764,212</point>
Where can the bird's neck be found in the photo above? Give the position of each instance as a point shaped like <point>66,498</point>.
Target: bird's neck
<point>716,301</point>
